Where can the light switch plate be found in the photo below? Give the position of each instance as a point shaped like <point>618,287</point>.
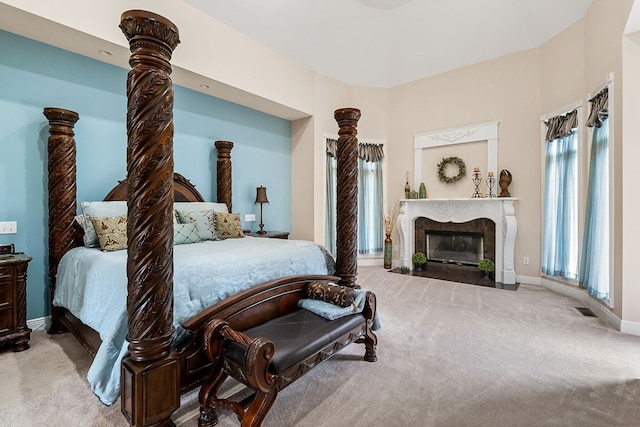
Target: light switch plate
<point>249,217</point>
<point>8,227</point>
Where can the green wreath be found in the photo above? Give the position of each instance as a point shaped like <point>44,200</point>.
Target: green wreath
<point>442,166</point>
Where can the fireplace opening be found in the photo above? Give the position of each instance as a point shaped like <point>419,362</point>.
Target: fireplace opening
<point>459,248</point>
<point>454,249</point>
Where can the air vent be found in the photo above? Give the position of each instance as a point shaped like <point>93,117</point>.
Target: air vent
<point>586,311</point>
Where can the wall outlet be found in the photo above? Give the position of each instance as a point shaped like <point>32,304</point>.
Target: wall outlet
<point>8,227</point>
<point>249,217</point>
<point>525,260</point>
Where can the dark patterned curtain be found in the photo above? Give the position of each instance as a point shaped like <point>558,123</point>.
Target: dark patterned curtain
<point>561,126</point>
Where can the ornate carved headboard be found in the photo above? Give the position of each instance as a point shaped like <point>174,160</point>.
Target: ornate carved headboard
<point>183,190</point>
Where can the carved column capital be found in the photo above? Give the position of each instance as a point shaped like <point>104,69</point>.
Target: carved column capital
<point>64,119</point>
<point>149,34</point>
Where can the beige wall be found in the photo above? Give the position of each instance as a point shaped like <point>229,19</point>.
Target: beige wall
<point>308,142</point>
<point>574,64</point>
<point>516,90</point>
<point>236,67</point>
<point>630,295</point>
<point>506,90</point>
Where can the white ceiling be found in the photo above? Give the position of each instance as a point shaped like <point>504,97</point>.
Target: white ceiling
<point>384,43</point>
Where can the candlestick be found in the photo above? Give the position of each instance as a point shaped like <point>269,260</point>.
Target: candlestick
<point>491,182</point>
<point>476,179</point>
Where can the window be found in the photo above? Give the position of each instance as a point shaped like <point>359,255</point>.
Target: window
<point>370,236</point>
<point>560,198</point>
<point>595,262</point>
<point>370,216</point>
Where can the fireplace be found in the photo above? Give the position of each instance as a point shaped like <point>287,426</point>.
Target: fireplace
<point>477,228</point>
<point>450,247</point>
<point>454,249</point>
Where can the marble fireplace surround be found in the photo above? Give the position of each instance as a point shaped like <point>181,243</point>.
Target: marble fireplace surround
<point>498,209</point>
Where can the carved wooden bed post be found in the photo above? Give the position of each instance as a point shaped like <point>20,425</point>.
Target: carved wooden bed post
<point>224,172</point>
<point>62,196</point>
<point>150,385</point>
<point>347,196</point>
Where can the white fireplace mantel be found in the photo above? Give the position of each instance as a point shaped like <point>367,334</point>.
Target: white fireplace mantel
<point>498,209</point>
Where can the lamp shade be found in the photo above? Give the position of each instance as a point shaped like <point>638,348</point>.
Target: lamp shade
<point>261,195</point>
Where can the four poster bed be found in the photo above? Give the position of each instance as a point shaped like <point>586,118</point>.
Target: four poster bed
<point>154,366</point>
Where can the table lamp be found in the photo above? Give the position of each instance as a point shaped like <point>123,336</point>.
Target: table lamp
<point>261,197</point>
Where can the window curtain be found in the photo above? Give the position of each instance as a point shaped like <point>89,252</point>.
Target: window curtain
<point>330,217</point>
<point>370,229</point>
<point>370,216</point>
<point>594,264</point>
<point>560,212</point>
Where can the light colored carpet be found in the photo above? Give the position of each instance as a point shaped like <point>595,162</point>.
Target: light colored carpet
<point>449,354</point>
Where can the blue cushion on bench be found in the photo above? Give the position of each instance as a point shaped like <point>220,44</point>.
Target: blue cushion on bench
<point>296,336</point>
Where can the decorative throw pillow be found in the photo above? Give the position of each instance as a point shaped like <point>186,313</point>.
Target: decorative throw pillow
<point>343,296</point>
<point>99,210</point>
<point>111,232</point>
<point>185,233</point>
<point>204,220</point>
<point>228,225</point>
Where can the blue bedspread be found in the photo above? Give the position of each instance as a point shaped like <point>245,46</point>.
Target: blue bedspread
<point>93,285</point>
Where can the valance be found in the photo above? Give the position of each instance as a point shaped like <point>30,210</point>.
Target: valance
<point>561,126</point>
<point>366,151</point>
<point>599,108</point>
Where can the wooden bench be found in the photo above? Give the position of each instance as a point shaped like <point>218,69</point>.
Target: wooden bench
<point>282,343</point>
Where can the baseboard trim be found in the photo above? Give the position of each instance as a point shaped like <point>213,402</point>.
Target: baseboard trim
<point>528,280</point>
<point>370,261</point>
<point>600,310</point>
<point>631,328</point>
<point>38,324</point>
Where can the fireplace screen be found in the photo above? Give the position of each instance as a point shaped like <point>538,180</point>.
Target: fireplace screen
<point>454,247</point>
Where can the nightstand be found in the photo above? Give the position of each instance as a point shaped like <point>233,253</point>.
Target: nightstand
<point>13,301</point>
<point>272,234</point>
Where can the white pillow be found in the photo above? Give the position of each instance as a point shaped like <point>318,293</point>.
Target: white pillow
<point>100,210</point>
<point>185,233</point>
<point>200,206</point>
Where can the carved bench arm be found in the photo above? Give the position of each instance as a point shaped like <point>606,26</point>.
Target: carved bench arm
<point>370,307</point>
<point>258,353</point>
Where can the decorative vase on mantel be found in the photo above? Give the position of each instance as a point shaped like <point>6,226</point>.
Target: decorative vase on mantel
<point>387,251</point>
<point>422,192</point>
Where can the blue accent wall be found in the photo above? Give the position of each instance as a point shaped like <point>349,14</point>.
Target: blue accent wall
<point>34,75</point>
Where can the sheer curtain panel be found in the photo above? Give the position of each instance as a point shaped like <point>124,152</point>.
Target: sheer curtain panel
<point>330,218</point>
<point>594,265</point>
<point>370,216</point>
<point>560,210</point>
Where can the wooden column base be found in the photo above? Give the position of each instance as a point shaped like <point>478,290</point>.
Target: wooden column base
<point>150,391</point>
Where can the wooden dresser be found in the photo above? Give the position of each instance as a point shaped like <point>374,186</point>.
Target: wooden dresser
<point>13,302</point>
